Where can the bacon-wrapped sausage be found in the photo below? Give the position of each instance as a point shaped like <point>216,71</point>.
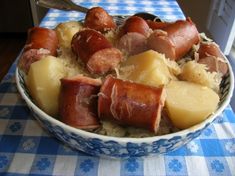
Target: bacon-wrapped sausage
<point>97,18</point>
<point>95,51</point>
<point>78,102</point>
<point>174,40</point>
<point>212,57</point>
<point>131,104</point>
<point>40,41</point>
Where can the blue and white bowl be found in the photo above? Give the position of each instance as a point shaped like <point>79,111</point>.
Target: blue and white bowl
<point>120,147</point>
<point>117,147</point>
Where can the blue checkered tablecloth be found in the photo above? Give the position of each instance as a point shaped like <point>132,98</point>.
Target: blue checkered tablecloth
<point>27,149</point>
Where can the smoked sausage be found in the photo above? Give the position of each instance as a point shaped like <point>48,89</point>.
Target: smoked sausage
<point>174,40</point>
<point>131,104</point>
<point>212,57</point>
<point>214,64</point>
<point>98,19</point>
<point>39,37</point>
<point>78,102</point>
<point>95,51</point>
<point>133,36</point>
<point>157,24</point>
<point>209,49</point>
<point>132,43</point>
<point>40,41</point>
<point>135,24</point>
<point>30,56</point>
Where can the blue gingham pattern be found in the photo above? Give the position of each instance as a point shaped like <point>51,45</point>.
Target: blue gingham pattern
<point>27,149</point>
<point>167,10</point>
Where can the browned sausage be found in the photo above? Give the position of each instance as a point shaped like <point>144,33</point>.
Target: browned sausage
<point>78,102</point>
<point>132,43</point>
<point>209,49</point>
<point>86,42</point>
<point>30,56</point>
<point>40,41</point>
<point>135,24</point>
<point>132,104</point>
<point>95,51</point>
<point>98,19</point>
<point>157,24</point>
<point>104,60</point>
<point>39,37</point>
<point>214,64</point>
<point>212,57</point>
<point>175,40</point>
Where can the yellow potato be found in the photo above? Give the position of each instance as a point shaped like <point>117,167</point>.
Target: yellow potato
<point>189,103</point>
<point>148,68</point>
<point>43,82</point>
<point>65,32</point>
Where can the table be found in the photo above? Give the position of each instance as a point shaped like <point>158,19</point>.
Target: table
<point>26,149</point>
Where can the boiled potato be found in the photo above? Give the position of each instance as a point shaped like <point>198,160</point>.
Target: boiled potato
<point>148,68</point>
<point>65,32</point>
<point>43,82</point>
<point>189,103</point>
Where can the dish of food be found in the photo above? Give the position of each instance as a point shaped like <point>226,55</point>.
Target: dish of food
<point>114,90</point>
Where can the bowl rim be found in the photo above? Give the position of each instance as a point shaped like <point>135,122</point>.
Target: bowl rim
<point>87,134</point>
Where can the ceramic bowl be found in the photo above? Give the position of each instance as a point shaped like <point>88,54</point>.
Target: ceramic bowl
<point>118,147</point>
